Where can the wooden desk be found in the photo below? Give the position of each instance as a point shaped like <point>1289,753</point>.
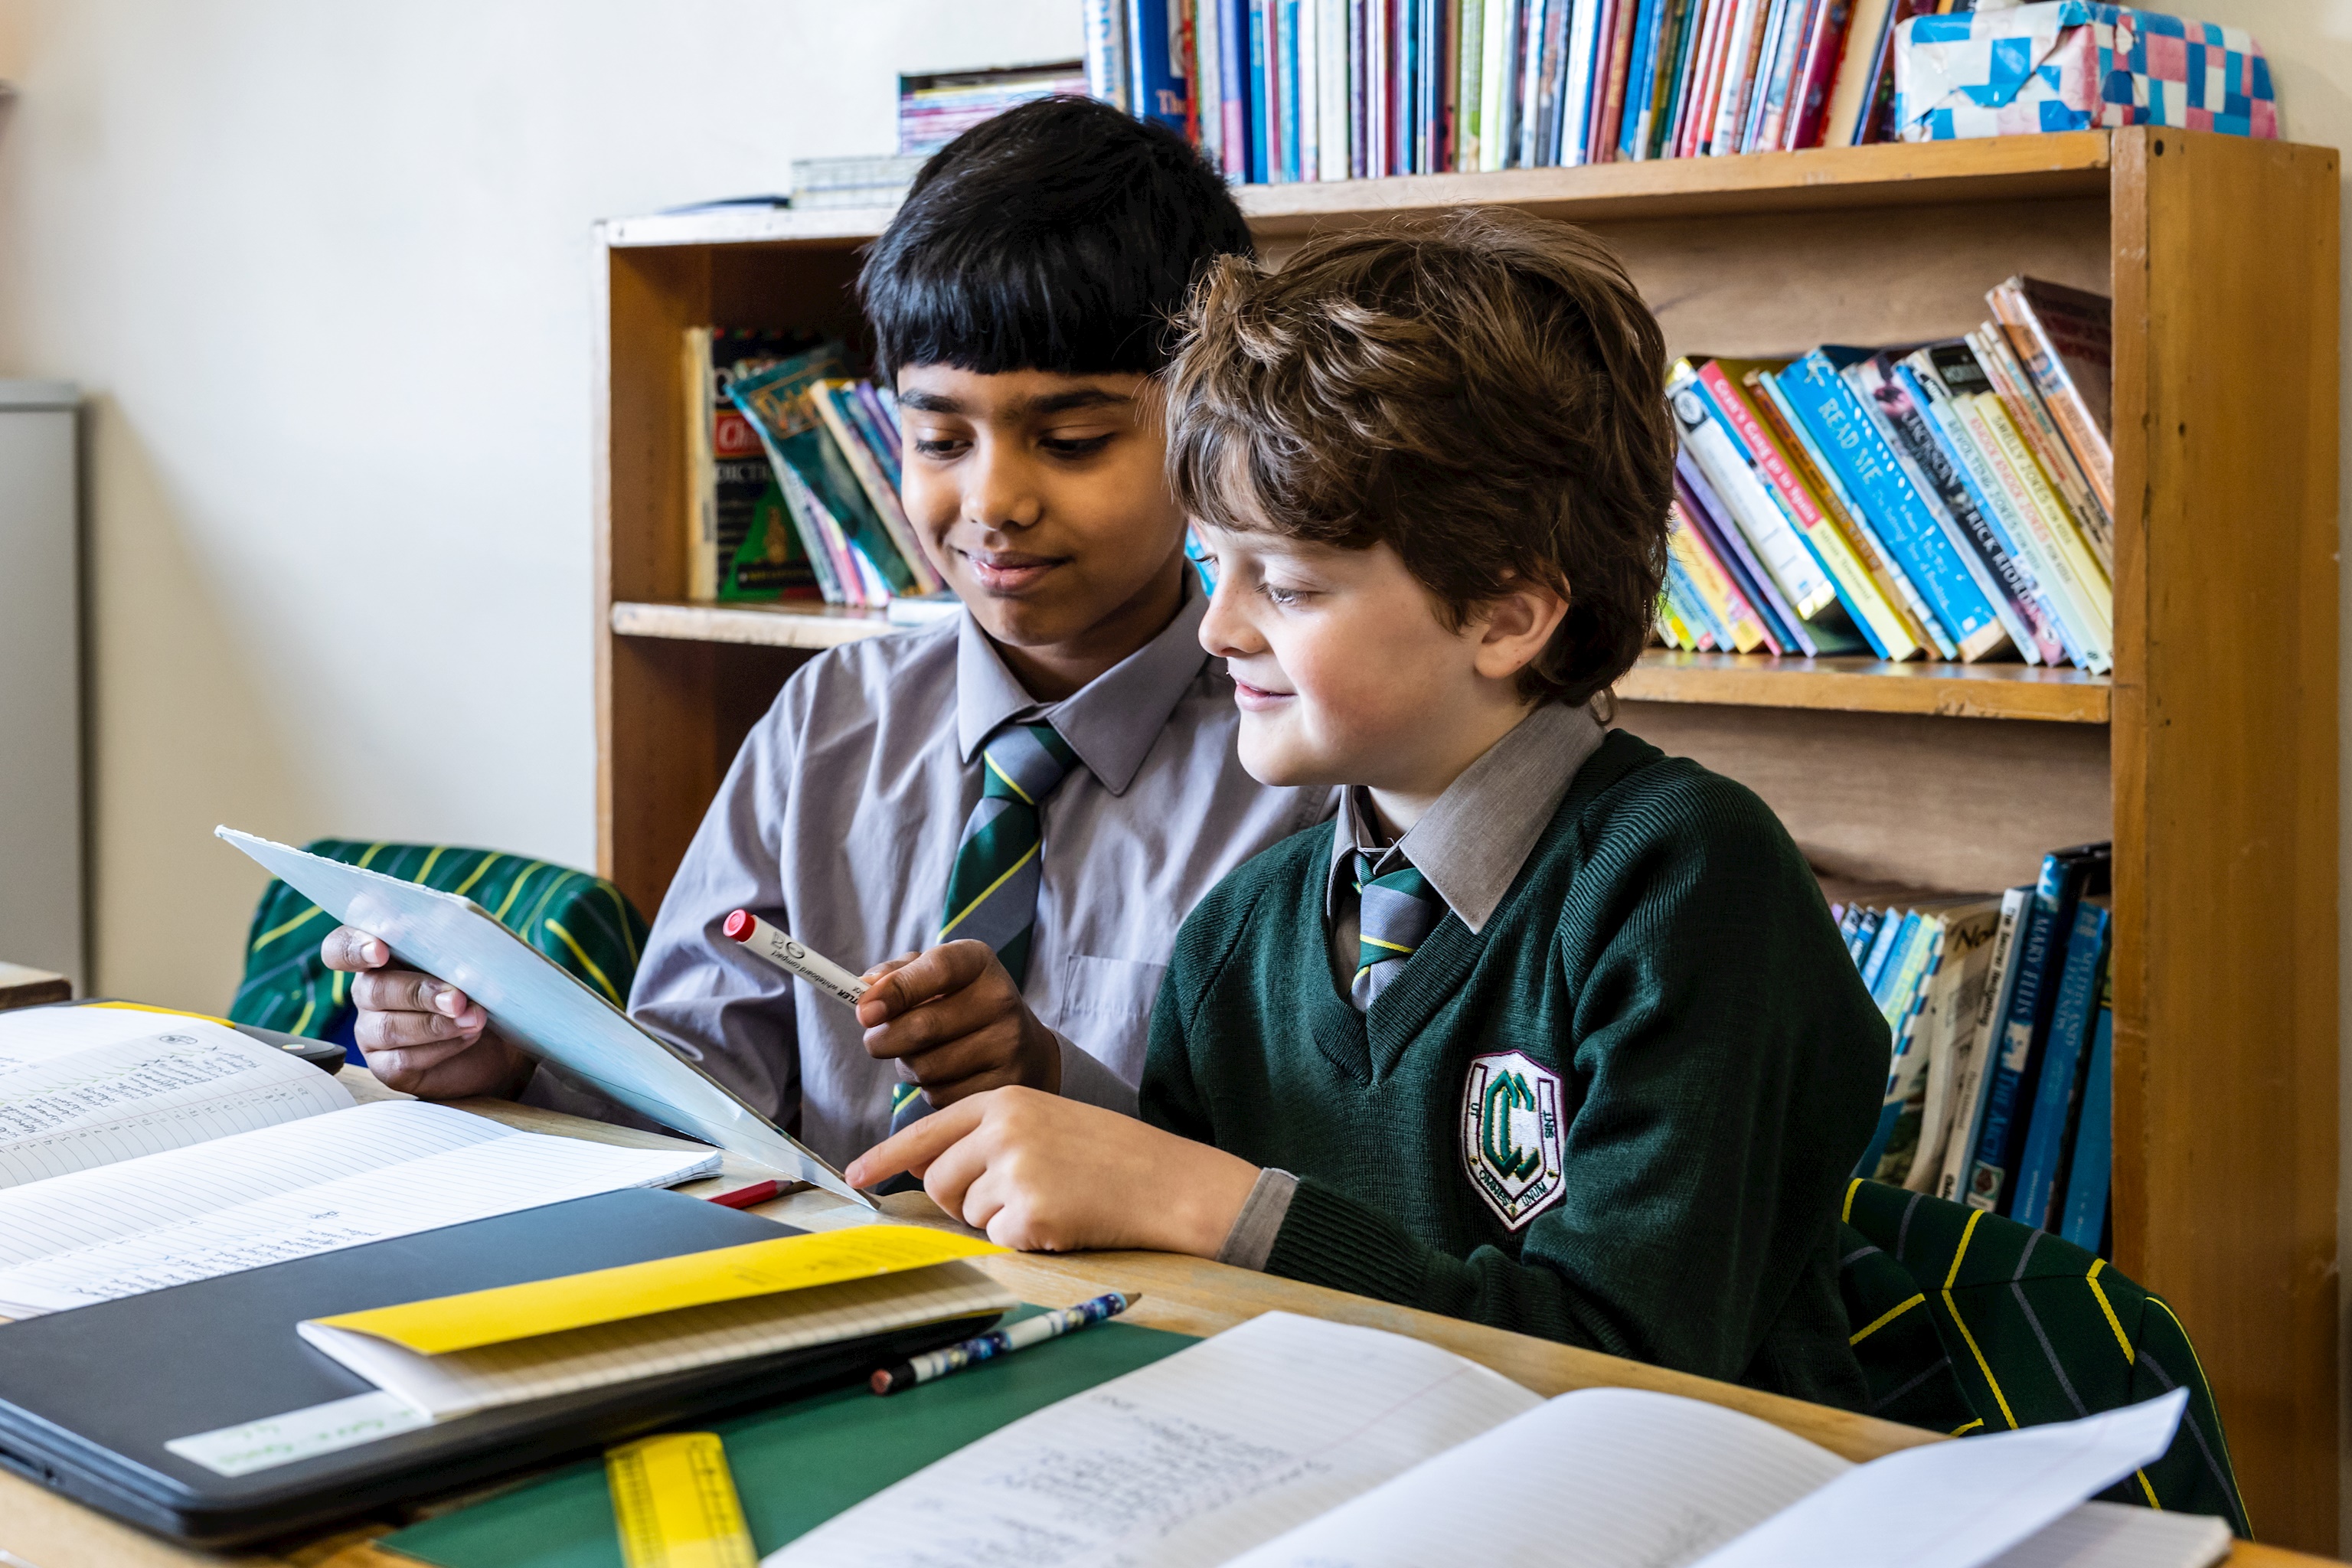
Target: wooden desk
<point>1187,1295</point>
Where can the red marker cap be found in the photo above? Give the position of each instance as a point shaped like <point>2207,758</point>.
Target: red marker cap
<point>739,925</point>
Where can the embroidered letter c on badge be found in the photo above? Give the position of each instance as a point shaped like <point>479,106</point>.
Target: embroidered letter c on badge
<point>1510,1135</point>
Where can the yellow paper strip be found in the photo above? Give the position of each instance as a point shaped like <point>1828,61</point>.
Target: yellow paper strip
<point>637,1289</point>
<point>167,1012</point>
<point>674,1500</point>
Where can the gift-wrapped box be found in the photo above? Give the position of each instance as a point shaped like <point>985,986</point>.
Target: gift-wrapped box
<point>2076,65</point>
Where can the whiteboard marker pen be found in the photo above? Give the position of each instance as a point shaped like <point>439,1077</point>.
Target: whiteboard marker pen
<point>779,948</point>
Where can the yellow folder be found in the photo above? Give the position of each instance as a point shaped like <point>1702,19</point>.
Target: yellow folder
<point>639,1289</point>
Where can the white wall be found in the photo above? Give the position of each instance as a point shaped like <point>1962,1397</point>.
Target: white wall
<point>324,272</point>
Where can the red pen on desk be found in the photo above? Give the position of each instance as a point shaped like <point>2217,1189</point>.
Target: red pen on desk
<point>744,1198</point>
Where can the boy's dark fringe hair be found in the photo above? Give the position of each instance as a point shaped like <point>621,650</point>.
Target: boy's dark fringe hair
<point>1061,235</point>
<point>1482,391</point>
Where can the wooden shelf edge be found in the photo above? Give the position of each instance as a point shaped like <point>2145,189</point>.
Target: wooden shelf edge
<point>2064,162</point>
<point>1869,686</point>
<point>784,625</point>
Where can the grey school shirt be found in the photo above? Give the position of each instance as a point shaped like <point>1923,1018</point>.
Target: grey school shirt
<point>840,819</point>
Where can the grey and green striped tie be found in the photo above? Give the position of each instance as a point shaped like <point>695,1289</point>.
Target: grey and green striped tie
<point>1397,909</point>
<point>992,885</point>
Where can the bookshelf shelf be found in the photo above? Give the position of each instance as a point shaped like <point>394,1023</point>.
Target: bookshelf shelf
<point>1664,675</point>
<point>2210,757</point>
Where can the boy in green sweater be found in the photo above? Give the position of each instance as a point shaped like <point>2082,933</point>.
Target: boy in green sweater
<point>1549,1030</point>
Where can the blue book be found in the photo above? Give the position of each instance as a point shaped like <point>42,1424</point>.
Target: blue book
<point>2066,875</point>
<point>2084,1219</point>
<point>1155,84</point>
<point>1286,87</point>
<point>1865,932</point>
<point>1641,79</point>
<point>2057,1096</point>
<point>1697,613</point>
<point>1881,951</point>
<point>1871,474</point>
<point>1259,116</point>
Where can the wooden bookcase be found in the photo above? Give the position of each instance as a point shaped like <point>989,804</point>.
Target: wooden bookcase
<point>2210,757</point>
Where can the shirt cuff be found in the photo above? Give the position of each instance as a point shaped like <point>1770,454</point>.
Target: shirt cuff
<point>1251,1241</point>
<point>1087,1082</point>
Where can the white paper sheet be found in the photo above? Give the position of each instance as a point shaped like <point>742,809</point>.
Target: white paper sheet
<point>82,1087</point>
<point>1957,1505</point>
<point>544,1365</point>
<point>392,1168</point>
<point>1192,1459</point>
<point>2114,1535</point>
<point>540,1007</point>
<point>1626,1478</point>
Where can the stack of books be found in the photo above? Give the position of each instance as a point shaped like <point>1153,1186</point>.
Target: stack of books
<point>1953,501</point>
<point>1999,1092</point>
<point>935,110</point>
<point>1278,90</point>
<point>873,181</point>
<point>792,476</point>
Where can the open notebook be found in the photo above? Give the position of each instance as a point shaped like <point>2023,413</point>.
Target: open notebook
<point>1293,1443</point>
<point>140,1150</point>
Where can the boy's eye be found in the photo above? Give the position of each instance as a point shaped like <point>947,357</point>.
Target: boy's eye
<point>940,446</point>
<point>1286,597</point>
<point>1075,446</point>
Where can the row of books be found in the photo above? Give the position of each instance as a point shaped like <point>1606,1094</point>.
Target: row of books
<point>1999,1089</point>
<point>1952,500</point>
<point>1281,91</point>
<point>792,475</point>
<point>935,108</point>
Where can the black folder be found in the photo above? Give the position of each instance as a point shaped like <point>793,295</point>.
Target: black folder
<point>90,1397</point>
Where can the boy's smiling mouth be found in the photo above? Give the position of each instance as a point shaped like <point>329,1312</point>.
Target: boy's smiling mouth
<point>1258,699</point>
<point>1009,570</point>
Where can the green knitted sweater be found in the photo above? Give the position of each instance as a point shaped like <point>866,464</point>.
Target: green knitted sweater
<point>1620,1116</point>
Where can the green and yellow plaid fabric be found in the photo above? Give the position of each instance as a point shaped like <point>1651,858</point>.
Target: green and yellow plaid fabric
<point>1969,1322</point>
<point>582,922</point>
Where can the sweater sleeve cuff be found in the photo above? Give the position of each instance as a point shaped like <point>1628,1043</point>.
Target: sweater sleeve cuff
<point>1250,1241</point>
<point>1329,1238</point>
<point>1087,1082</point>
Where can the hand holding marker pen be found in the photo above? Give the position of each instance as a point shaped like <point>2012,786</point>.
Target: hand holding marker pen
<point>779,948</point>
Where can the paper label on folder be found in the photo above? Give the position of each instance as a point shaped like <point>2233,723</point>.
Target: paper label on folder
<point>276,1440</point>
<point>480,1317</point>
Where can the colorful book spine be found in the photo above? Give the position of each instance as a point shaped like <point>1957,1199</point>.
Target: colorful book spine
<point>2062,337</point>
<point>1973,1077</point>
<point>1584,35</point>
<point>1104,25</point>
<point>1864,602</point>
<point>1705,510</point>
<point>2052,455</point>
<point>2065,873</point>
<point>1157,90</point>
<point>2058,1093</point>
<point>1716,584</point>
<point>1811,93</point>
<point>1710,440</point>
<point>2083,1219</point>
<point>1850,441</point>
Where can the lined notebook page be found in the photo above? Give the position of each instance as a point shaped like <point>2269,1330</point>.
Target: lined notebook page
<point>607,1353</point>
<point>2113,1535</point>
<point>1193,1459</point>
<point>1630,1479</point>
<point>82,1087</point>
<point>302,1187</point>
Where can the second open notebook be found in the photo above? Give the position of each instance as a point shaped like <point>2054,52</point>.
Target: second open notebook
<point>141,1150</point>
<point>1293,1443</point>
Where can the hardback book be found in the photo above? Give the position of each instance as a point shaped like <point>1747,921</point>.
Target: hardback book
<point>1854,82</point>
<point>2065,338</point>
<point>1946,1026</point>
<point>731,493</point>
<point>2089,1165</point>
<point>1970,1078</point>
<point>2067,876</point>
<point>1850,441</point>
<point>2057,1096</point>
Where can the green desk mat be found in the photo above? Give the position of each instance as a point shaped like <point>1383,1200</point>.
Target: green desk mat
<point>799,1463</point>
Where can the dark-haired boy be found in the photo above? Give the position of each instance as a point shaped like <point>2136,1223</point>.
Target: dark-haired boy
<point>1052,774</point>
<point>1549,1030</point>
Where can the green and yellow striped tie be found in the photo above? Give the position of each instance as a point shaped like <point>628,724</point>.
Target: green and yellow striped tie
<point>1397,911</point>
<point>992,885</point>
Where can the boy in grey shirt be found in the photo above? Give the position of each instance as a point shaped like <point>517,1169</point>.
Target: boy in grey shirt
<point>1024,804</point>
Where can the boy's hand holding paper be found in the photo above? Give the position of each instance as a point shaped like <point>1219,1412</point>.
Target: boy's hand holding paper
<point>420,1034</point>
<point>1046,1174</point>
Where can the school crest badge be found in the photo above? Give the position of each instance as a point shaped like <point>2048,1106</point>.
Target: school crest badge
<point>1510,1135</point>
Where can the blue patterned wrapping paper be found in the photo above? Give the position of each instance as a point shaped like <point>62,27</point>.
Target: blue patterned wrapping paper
<point>2077,65</point>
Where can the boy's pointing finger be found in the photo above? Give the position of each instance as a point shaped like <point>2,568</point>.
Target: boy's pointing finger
<point>914,1149</point>
<point>910,983</point>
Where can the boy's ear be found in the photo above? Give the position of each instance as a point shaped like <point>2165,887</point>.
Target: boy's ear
<point>1514,627</point>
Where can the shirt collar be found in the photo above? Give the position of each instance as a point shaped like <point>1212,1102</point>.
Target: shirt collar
<point>1112,720</point>
<point>1472,841</point>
